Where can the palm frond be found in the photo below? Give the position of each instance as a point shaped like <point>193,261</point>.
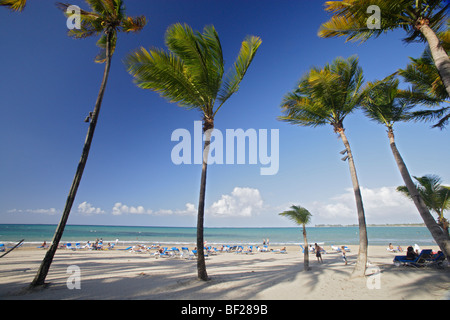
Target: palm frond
<point>164,73</point>
<point>199,57</point>
<point>234,76</point>
<point>131,24</point>
<point>107,16</point>
<point>350,18</point>
<point>191,72</point>
<point>14,5</point>
<point>325,95</point>
<point>297,214</point>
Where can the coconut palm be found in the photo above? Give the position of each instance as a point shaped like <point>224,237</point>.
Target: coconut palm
<point>434,194</point>
<point>302,217</point>
<point>424,77</point>
<point>327,96</point>
<point>421,19</point>
<point>14,5</point>
<point>386,104</point>
<point>191,73</point>
<point>107,18</point>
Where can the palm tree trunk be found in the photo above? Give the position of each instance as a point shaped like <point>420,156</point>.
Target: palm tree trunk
<point>201,266</point>
<point>437,233</point>
<point>361,262</point>
<point>440,57</point>
<point>306,251</point>
<point>46,262</point>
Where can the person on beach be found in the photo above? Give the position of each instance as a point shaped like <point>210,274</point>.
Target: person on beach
<point>318,254</point>
<point>344,257</point>
<point>411,254</point>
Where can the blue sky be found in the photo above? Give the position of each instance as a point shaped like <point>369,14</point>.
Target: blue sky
<point>49,83</point>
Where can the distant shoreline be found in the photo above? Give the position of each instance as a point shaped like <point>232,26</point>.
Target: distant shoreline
<point>371,225</point>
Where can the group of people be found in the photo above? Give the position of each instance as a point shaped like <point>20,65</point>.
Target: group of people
<point>391,248</point>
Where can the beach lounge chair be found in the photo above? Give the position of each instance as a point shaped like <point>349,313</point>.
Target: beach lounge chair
<point>162,253</point>
<point>195,253</point>
<point>129,248</point>
<point>69,246</point>
<point>2,247</point>
<point>186,254</point>
<point>420,261</point>
<point>77,245</point>
<point>174,252</point>
<point>436,259</point>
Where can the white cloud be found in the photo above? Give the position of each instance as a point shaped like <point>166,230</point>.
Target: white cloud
<point>87,209</point>
<point>120,209</point>
<point>51,211</point>
<point>381,205</point>
<point>243,202</point>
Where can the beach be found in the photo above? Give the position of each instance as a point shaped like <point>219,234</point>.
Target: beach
<point>124,275</point>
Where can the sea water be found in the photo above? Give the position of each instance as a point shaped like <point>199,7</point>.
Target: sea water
<point>38,233</point>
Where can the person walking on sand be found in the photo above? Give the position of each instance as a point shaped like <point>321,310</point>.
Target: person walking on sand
<point>318,254</point>
<point>344,257</point>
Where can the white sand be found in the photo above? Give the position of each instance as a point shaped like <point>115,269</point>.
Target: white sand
<point>125,275</point>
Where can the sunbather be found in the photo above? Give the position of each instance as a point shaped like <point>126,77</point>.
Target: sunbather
<point>411,254</point>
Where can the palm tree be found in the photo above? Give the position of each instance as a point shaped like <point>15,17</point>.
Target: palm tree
<point>191,73</point>
<point>386,104</point>
<point>14,5</point>
<point>327,96</point>
<point>107,18</point>
<point>424,77</point>
<point>421,19</point>
<point>434,194</point>
<point>300,216</point>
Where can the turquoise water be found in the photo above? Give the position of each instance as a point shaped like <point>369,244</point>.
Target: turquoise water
<point>278,236</point>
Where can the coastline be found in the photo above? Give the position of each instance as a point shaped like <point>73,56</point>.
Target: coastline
<point>123,275</point>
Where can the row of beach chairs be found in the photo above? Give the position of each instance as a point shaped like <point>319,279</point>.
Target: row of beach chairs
<point>78,246</point>
<point>424,259</point>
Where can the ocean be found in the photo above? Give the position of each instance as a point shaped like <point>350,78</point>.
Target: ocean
<point>37,233</point>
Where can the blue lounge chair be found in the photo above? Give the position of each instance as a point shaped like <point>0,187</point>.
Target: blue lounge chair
<point>164,253</point>
<point>126,249</point>
<point>2,247</point>
<point>174,252</point>
<point>69,246</point>
<point>419,261</point>
<point>186,254</point>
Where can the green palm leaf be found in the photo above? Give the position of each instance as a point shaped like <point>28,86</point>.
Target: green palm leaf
<point>325,96</point>
<point>191,72</point>
<point>234,77</point>
<point>106,16</point>
<point>14,5</point>
<point>297,214</point>
<point>350,18</point>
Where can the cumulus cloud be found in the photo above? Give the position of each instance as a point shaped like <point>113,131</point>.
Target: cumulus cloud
<point>120,208</point>
<point>243,202</point>
<point>87,209</point>
<point>381,205</point>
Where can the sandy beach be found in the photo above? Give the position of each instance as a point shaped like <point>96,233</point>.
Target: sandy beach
<point>124,275</point>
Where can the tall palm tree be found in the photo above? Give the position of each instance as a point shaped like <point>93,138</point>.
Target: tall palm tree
<point>327,96</point>
<point>14,5</point>
<point>107,18</point>
<point>424,77</point>
<point>386,104</point>
<point>434,194</point>
<point>191,73</point>
<point>421,19</point>
<point>302,217</point>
